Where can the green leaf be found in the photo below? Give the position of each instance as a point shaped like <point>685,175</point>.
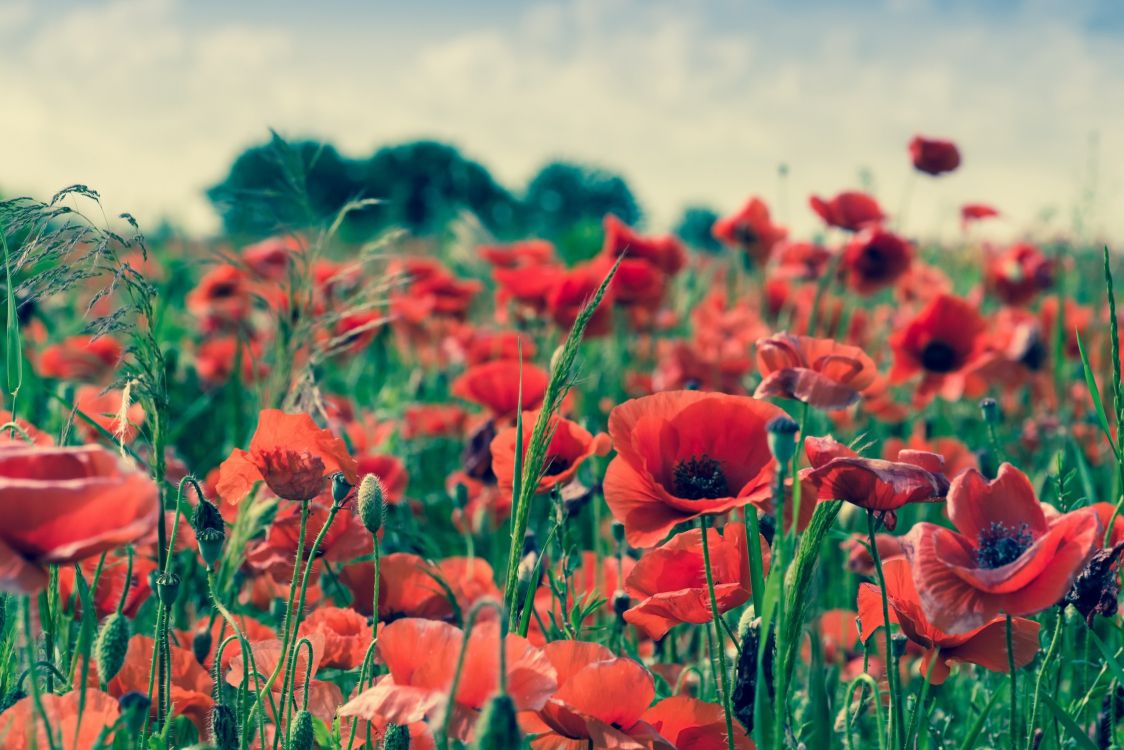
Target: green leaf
<point>1095,394</point>
<point>1071,727</point>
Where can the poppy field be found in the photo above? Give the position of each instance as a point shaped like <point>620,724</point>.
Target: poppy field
<point>350,485</point>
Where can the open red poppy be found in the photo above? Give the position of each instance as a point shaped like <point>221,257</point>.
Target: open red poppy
<point>874,259</point>
<point>686,454</point>
<point>933,156</point>
<point>750,229</point>
<point>819,372</point>
<point>850,210</point>
<point>496,386</point>
<point>570,446</point>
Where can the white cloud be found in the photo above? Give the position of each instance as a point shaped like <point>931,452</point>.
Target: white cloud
<point>691,105</point>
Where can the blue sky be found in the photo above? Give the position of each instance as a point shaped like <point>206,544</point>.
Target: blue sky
<point>148,100</point>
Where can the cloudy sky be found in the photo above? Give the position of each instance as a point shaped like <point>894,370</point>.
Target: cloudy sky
<point>695,102</point>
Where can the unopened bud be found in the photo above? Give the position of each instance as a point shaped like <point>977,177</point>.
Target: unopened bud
<point>782,438</point>
<point>167,588</point>
<point>621,602</point>
<point>201,644</point>
<point>370,502</point>
<point>301,735</point>
<point>899,642</point>
<point>396,737</point>
<point>498,728</point>
<point>224,727</point>
<point>134,707</point>
<point>341,488</point>
<point>210,532</point>
<point>618,532</point>
<point>111,645</point>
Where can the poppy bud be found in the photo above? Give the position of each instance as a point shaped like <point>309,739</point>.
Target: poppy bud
<point>460,496</point>
<point>618,532</point>
<point>744,693</point>
<point>167,588</point>
<point>621,602</point>
<point>898,642</point>
<point>371,503</point>
<point>782,438</point>
<point>111,645</point>
<point>210,532</point>
<point>301,734</point>
<point>498,728</point>
<point>224,727</point>
<point>201,644</point>
<point>396,737</point>
<point>990,409</point>
<point>341,488</point>
<point>134,707</point>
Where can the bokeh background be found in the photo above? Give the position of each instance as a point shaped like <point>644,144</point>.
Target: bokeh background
<point>151,102</point>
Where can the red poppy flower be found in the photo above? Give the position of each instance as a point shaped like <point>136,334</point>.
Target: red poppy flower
<point>86,358</point>
<point>8,435</point>
<point>422,658</point>
<point>850,210</point>
<point>1007,557</point>
<point>857,549</point>
<point>344,633</point>
<point>819,372</point>
<point>215,357</point>
<point>482,346</point>
<point>971,212</point>
<point>933,156</point>
<point>985,645</point>
<point>957,456</point>
<point>104,409</point>
<point>687,722</point>
<point>637,283</point>
<point>391,473</point>
<point>220,630</point>
<point>685,454</point>
<point>670,580</point>
<point>570,446</point>
<point>433,420</point>
<point>801,261</point>
<point>22,729</point>
<point>191,685</point>
<point>874,259</point>
<point>496,386</point>
<point>600,702</point>
<point>665,253</point>
<point>324,698</point>
<point>750,229</point>
<point>525,253</point>
<point>430,289</point>
<point>111,582</point>
<point>1017,274</point>
<point>412,587</point>
<point>940,342</point>
<point>839,639</point>
<point>569,292</point>
<point>62,505</point>
<point>527,285</point>
<point>271,258</point>
<point>221,299</point>
<point>346,539</point>
<point>692,365</point>
<point>290,454</point>
<point>871,483</point>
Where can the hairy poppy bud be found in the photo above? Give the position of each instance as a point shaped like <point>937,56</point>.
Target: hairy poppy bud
<point>210,532</point>
<point>341,488</point>
<point>990,409</point>
<point>744,693</point>
<point>621,602</point>
<point>300,734</point>
<point>498,728</point>
<point>782,438</point>
<point>111,645</point>
<point>134,708</point>
<point>167,588</point>
<point>224,727</point>
<point>396,737</point>
<point>201,644</point>
<point>370,502</point>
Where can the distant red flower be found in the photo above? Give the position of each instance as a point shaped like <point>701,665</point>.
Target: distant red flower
<point>957,456</point>
<point>527,285</point>
<point>85,358</point>
<point>600,702</point>
<point>111,582</point>
<point>669,582</point>
<point>685,454</point>
<point>222,298</point>
<point>570,446</point>
<point>933,156</point>
<point>22,729</point>
<point>430,289</point>
<point>687,722</point>
<point>569,293</point>
<point>850,210</point>
<point>875,259</point>
<point>803,261</point>
<point>62,505</point>
<point>819,372</point>
<point>594,578</point>
<point>939,342</point>
<point>9,435</point>
<point>857,549</point>
<point>433,420</point>
<point>525,253</point>
<point>496,386</point>
<point>1007,557</point>
<point>103,408</point>
<point>271,258</point>
<point>985,645</point>
<point>482,346</point>
<point>391,473</point>
<point>637,283</point>
<point>422,656</point>
<point>665,253</point>
<point>215,358</point>
<point>971,212</point>
<point>751,230</point>
<point>1017,274</point>
<point>409,585</point>
<point>290,454</point>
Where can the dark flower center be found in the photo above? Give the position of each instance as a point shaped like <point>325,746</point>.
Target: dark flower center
<point>937,356</point>
<point>745,234</point>
<point>1034,356</point>
<point>555,465</point>
<point>873,263</point>
<point>699,478</point>
<point>1000,544</point>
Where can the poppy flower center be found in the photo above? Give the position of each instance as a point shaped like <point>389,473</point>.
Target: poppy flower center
<point>1034,356</point>
<point>937,356</point>
<point>873,263</point>
<point>700,478</point>
<point>1000,544</point>
<point>555,465</point>
<point>745,234</point>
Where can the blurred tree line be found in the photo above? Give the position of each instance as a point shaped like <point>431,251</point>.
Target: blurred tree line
<point>419,186</point>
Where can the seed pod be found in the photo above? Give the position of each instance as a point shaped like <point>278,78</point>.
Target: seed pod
<point>111,645</point>
<point>134,708</point>
<point>341,488</point>
<point>782,438</point>
<point>300,734</point>
<point>396,737</point>
<point>210,531</point>
<point>498,728</point>
<point>167,588</point>
<point>370,502</point>
<point>201,644</point>
<point>224,727</point>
